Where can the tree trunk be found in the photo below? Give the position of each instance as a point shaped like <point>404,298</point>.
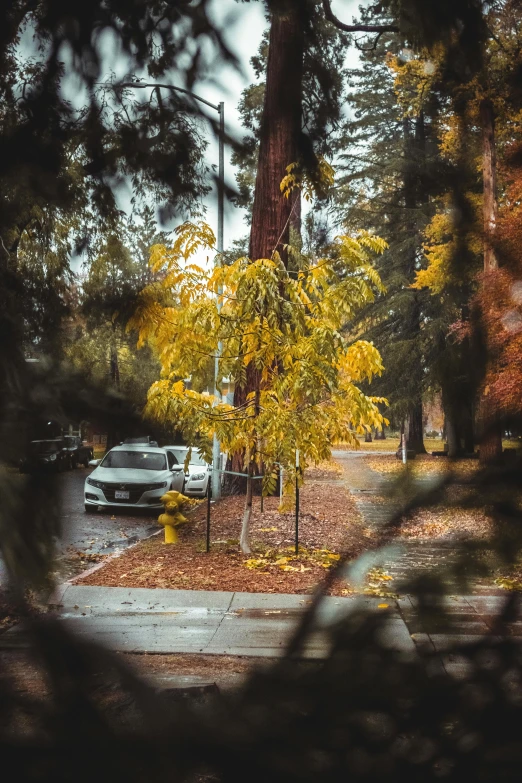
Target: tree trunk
<point>113,436</point>
<point>414,430</point>
<point>468,431</point>
<point>491,433</point>
<point>489,173</point>
<point>272,213</point>
<point>414,196</point>
<point>367,436</point>
<point>244,540</point>
<point>114,366</point>
<point>452,438</point>
<point>451,423</point>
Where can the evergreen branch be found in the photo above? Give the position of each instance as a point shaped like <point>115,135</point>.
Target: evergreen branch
<point>356,28</point>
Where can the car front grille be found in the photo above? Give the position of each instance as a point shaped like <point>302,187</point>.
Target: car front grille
<point>135,491</point>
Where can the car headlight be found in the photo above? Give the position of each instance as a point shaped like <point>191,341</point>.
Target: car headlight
<point>197,477</point>
<point>52,457</point>
<point>94,483</point>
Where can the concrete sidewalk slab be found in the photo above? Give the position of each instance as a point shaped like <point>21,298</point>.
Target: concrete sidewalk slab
<point>139,599</point>
<point>142,620</point>
<point>218,623</point>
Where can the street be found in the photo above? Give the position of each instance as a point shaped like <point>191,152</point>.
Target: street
<point>87,537</point>
<point>98,533</point>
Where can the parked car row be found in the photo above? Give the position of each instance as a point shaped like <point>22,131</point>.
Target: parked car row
<point>56,454</point>
<point>139,473</point>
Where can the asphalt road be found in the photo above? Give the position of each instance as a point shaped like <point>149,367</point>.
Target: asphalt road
<point>86,536</point>
<point>101,532</point>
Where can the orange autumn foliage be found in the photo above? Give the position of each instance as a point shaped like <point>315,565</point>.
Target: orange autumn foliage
<point>500,298</point>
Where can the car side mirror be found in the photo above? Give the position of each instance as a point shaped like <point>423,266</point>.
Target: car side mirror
<point>176,468</point>
<point>93,463</point>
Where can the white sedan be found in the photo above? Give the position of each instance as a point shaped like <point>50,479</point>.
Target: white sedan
<point>198,474</point>
<point>133,475</point>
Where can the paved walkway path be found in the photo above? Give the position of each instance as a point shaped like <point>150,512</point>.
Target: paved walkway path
<point>211,622</point>
<point>258,625</point>
<point>408,559</point>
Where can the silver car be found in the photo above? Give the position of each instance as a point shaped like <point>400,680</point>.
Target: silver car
<point>198,473</point>
<point>133,475</point>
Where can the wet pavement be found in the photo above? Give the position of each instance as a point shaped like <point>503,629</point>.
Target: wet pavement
<point>141,620</point>
<point>162,621</point>
<point>85,538</point>
<point>102,531</point>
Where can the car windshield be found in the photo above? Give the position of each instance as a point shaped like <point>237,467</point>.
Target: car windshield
<point>45,446</point>
<point>135,460</point>
<point>195,459</point>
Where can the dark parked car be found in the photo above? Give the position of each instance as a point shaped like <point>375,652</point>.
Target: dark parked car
<point>46,454</point>
<point>79,452</point>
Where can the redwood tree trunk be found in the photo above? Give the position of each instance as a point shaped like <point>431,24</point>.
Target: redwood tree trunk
<point>272,213</point>
<point>491,434</point>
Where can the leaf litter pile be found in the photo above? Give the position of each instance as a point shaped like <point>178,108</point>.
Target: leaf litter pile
<point>422,465</point>
<point>329,525</point>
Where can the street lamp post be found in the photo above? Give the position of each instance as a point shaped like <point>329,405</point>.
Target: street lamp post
<point>216,445</point>
<point>220,108</point>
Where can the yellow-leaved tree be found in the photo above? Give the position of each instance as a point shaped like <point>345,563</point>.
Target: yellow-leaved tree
<point>283,325</point>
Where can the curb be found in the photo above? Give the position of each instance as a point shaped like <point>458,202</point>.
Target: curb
<point>56,596</point>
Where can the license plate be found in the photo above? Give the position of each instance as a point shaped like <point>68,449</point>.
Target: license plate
<point>121,495</point>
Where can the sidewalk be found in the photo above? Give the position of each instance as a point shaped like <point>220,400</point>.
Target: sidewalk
<point>405,559</point>
<point>139,620</point>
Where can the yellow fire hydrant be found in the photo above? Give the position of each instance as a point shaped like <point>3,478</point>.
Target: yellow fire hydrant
<point>172,518</point>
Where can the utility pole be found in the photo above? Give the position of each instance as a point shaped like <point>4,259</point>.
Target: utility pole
<point>216,445</point>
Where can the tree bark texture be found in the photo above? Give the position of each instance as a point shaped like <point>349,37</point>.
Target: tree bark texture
<point>272,213</point>
<point>490,426</point>
<point>451,433</point>
<point>244,539</point>
<point>489,173</point>
<point>414,195</point>
<point>280,133</point>
<point>415,429</point>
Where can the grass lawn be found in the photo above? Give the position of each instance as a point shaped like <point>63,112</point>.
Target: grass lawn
<point>423,464</point>
<point>392,444</point>
<point>430,444</point>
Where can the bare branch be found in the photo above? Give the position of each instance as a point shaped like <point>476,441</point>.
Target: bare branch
<point>356,28</point>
